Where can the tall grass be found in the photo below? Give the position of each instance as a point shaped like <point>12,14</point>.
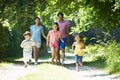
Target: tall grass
<point>109,53</point>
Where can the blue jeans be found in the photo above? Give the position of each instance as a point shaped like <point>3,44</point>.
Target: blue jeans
<point>78,59</point>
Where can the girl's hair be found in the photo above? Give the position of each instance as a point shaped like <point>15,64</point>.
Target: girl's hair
<point>56,25</point>
<point>77,35</point>
<point>36,18</point>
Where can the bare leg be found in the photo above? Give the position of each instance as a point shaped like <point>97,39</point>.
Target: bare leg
<point>59,56</point>
<point>56,55</point>
<point>36,52</point>
<point>53,55</point>
<point>63,55</point>
<point>77,67</point>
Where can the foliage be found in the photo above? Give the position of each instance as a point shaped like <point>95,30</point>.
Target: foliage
<point>18,15</point>
<point>107,52</point>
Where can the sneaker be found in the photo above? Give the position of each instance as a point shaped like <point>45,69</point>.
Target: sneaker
<point>29,61</point>
<point>35,63</point>
<point>25,65</point>
<point>62,63</point>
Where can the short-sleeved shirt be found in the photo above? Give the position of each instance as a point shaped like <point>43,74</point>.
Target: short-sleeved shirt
<point>28,46</point>
<point>36,33</point>
<point>62,28</point>
<point>78,50</point>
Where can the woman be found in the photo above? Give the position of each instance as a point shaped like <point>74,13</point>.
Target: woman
<point>36,32</point>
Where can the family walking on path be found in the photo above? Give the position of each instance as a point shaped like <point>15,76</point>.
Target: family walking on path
<point>56,39</point>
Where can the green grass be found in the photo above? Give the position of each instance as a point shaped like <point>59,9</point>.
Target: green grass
<point>49,72</point>
<point>2,64</point>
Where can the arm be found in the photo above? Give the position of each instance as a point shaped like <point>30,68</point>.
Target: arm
<point>73,46</point>
<point>22,44</point>
<point>67,30</point>
<point>60,36</point>
<point>43,35</point>
<point>47,39</point>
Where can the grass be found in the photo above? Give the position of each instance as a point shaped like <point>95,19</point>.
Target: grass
<point>49,72</point>
<point>2,64</point>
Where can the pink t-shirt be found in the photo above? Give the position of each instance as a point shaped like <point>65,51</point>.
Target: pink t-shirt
<point>62,28</point>
<point>54,37</point>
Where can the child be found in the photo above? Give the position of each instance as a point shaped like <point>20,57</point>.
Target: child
<point>78,49</point>
<point>54,35</point>
<point>27,45</point>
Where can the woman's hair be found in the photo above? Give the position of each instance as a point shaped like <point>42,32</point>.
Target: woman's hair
<point>56,25</point>
<point>36,18</point>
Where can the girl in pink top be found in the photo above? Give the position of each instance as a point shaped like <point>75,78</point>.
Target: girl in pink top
<point>54,36</point>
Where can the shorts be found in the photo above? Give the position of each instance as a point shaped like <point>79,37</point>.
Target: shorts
<point>62,44</point>
<point>78,58</point>
<point>38,44</point>
<point>27,56</point>
<point>53,45</point>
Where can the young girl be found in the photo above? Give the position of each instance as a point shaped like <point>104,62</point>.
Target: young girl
<point>54,35</point>
<point>27,45</point>
<point>78,49</point>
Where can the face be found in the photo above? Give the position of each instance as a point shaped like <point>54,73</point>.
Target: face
<point>37,21</point>
<point>77,38</point>
<point>27,37</point>
<point>55,27</point>
<point>60,17</point>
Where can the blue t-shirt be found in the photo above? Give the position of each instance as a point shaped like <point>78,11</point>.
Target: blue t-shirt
<point>36,33</point>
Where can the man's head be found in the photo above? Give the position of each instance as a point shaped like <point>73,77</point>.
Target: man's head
<point>60,16</point>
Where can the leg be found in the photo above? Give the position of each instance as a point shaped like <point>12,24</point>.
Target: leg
<point>77,67</point>
<point>80,62</point>
<point>77,60</point>
<point>56,55</point>
<point>36,51</point>
<point>53,54</point>
<point>63,55</point>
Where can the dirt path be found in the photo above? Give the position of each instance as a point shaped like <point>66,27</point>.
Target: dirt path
<point>15,71</point>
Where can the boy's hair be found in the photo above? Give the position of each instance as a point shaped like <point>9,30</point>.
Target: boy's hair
<point>60,13</point>
<point>27,33</point>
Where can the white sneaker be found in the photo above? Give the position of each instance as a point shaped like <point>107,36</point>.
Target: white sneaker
<point>63,63</point>
<point>35,63</point>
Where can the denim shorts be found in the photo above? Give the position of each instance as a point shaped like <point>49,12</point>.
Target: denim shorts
<point>62,44</point>
<point>78,58</point>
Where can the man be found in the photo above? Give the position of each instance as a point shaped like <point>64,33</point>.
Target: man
<point>64,30</point>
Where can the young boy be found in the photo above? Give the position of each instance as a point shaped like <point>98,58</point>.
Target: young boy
<point>78,49</point>
<point>27,45</point>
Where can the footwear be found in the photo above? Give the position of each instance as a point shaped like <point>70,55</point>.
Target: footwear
<point>29,61</point>
<point>62,63</point>
<point>25,65</point>
<point>35,63</point>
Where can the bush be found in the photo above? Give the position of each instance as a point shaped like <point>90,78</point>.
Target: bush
<point>108,52</point>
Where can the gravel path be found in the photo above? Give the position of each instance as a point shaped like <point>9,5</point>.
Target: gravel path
<point>15,71</point>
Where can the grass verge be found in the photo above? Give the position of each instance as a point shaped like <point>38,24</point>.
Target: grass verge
<point>49,72</point>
